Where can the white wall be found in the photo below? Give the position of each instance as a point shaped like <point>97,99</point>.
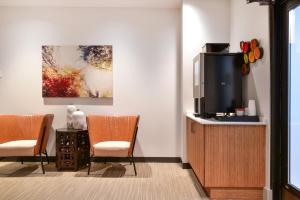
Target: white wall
<point>202,22</point>
<point>252,21</point>
<point>146,61</point>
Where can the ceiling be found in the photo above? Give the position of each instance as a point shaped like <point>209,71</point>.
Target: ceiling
<point>92,3</point>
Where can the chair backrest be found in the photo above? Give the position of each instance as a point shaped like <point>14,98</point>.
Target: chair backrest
<point>44,131</point>
<point>15,127</point>
<point>20,127</point>
<point>26,127</point>
<point>112,128</point>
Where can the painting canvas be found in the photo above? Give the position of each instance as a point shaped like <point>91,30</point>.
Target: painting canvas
<point>77,71</point>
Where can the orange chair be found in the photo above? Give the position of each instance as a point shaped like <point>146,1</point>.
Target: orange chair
<point>112,136</point>
<point>25,135</point>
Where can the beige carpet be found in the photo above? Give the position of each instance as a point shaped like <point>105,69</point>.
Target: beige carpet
<point>155,181</point>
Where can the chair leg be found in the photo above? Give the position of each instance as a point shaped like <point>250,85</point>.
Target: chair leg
<point>47,156</point>
<point>130,162</point>
<point>22,162</point>
<point>133,165</point>
<point>42,164</point>
<point>89,167</point>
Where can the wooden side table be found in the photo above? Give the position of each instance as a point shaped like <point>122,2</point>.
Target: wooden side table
<point>72,149</point>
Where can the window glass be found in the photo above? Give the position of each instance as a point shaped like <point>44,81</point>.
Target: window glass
<point>294,97</point>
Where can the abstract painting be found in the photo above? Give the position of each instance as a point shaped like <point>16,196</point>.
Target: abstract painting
<point>77,71</point>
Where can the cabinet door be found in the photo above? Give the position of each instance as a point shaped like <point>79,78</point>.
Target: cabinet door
<point>235,156</point>
<point>199,152</point>
<point>195,148</point>
<point>190,143</point>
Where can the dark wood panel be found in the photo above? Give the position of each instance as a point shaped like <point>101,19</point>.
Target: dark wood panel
<point>289,196</point>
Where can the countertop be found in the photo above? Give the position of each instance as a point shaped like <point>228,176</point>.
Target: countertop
<point>216,122</point>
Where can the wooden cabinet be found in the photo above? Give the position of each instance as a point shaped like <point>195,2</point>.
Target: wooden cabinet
<point>229,160</point>
<point>72,149</point>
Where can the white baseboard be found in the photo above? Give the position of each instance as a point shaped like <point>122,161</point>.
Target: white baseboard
<point>268,194</point>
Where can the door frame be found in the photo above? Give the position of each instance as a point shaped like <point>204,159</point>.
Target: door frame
<point>279,92</point>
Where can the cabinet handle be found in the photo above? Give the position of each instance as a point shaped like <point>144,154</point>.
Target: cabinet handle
<point>287,187</point>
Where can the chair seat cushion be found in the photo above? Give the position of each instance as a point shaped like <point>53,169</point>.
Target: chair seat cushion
<point>17,148</point>
<point>111,149</point>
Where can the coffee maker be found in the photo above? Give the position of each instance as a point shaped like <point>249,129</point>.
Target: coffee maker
<point>217,80</point>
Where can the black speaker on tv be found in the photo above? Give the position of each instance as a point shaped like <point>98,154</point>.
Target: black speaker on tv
<point>217,83</point>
